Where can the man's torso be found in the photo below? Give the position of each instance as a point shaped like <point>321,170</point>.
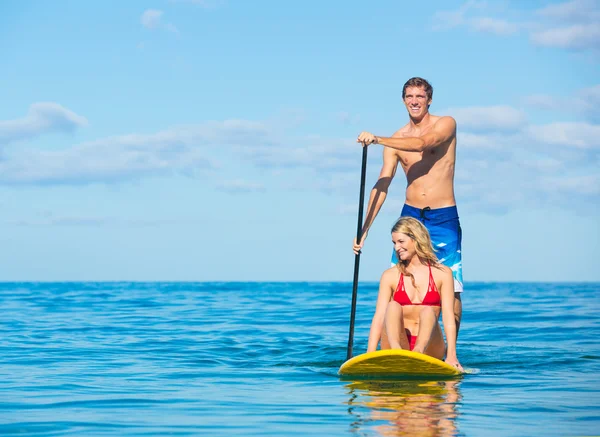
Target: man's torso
<point>429,174</point>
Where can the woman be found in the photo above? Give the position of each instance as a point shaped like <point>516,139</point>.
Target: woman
<point>411,296</point>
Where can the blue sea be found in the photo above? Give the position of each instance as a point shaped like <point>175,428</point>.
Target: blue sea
<point>261,359</point>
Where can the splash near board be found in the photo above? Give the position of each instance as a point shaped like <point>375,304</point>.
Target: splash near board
<point>396,362</point>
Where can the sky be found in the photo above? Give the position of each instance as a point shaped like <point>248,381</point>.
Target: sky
<point>215,140</point>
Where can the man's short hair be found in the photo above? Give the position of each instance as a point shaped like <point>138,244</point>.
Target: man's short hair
<point>418,82</point>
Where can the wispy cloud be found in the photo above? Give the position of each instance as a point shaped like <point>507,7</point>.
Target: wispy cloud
<point>571,25</point>
<point>493,25</point>
<point>489,118</point>
<point>463,17</point>
<point>470,140</point>
<point>207,4</point>
<point>347,118</point>
<point>96,221</point>
<point>503,159</point>
<point>152,19</point>
<point>502,171</point>
<point>240,186</point>
<point>185,150</point>
<point>585,102</point>
<point>41,118</point>
<point>443,20</point>
<point>576,37</point>
<point>544,101</point>
<point>574,11</point>
<point>586,185</point>
<point>569,134</point>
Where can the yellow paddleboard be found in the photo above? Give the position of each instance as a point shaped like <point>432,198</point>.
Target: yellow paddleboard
<point>396,362</point>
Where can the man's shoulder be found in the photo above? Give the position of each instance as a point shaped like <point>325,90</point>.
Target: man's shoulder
<point>444,125</point>
<point>402,131</point>
<point>444,119</point>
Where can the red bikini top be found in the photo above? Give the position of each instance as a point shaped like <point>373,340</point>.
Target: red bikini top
<point>432,297</point>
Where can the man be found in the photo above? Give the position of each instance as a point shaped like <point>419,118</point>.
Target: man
<point>426,150</point>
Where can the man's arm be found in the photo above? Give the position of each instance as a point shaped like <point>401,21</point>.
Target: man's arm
<point>443,130</point>
<point>379,192</point>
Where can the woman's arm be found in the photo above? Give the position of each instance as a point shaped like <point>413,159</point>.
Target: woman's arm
<point>447,295</point>
<point>386,286</point>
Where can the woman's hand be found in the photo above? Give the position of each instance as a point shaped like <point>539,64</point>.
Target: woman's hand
<point>453,361</point>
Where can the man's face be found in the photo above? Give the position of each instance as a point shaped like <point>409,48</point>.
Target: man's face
<point>416,101</point>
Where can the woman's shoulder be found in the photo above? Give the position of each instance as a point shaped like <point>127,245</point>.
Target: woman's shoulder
<point>441,270</point>
<point>390,275</point>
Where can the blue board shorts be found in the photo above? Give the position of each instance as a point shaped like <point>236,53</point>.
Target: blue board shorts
<point>446,235</point>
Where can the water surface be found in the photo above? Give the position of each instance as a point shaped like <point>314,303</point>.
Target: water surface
<point>223,359</point>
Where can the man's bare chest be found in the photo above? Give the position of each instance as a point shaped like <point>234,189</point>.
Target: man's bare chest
<point>408,159</point>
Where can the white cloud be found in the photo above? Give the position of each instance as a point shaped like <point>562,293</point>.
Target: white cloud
<point>207,4</point>
<point>71,221</point>
<point>503,164</point>
<point>542,101</point>
<point>492,25</point>
<point>470,140</point>
<point>526,163</point>
<point>317,153</point>
<point>572,25</point>
<point>107,164</point>
<point>574,11</point>
<point>588,185</point>
<point>240,186</point>
<point>585,101</point>
<point>152,19</point>
<point>577,37</point>
<point>544,164</point>
<point>449,19</point>
<point>592,94</point>
<point>41,118</point>
<point>569,134</point>
<point>488,118</point>
<point>61,221</point>
<point>502,161</point>
<point>499,183</point>
<point>185,150</point>
<point>347,118</point>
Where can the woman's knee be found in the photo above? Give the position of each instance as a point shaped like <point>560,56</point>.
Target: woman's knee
<point>394,309</point>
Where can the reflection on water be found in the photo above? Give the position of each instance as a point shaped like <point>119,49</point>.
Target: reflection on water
<point>402,408</point>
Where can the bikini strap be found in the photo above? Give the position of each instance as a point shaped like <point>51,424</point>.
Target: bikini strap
<point>402,282</point>
<point>430,276</point>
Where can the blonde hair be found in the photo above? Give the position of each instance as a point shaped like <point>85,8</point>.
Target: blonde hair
<point>417,232</point>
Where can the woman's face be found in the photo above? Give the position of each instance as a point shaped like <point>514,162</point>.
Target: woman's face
<point>403,245</point>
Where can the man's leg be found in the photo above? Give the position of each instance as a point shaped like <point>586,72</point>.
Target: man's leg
<point>446,238</point>
<point>457,311</point>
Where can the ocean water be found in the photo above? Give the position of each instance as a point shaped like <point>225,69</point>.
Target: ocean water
<point>261,359</point>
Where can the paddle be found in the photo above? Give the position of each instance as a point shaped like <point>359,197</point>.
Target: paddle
<point>357,256</point>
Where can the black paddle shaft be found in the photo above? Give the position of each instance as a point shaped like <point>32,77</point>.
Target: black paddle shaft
<point>357,256</point>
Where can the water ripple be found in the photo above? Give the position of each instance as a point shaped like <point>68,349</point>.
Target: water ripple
<point>129,359</point>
